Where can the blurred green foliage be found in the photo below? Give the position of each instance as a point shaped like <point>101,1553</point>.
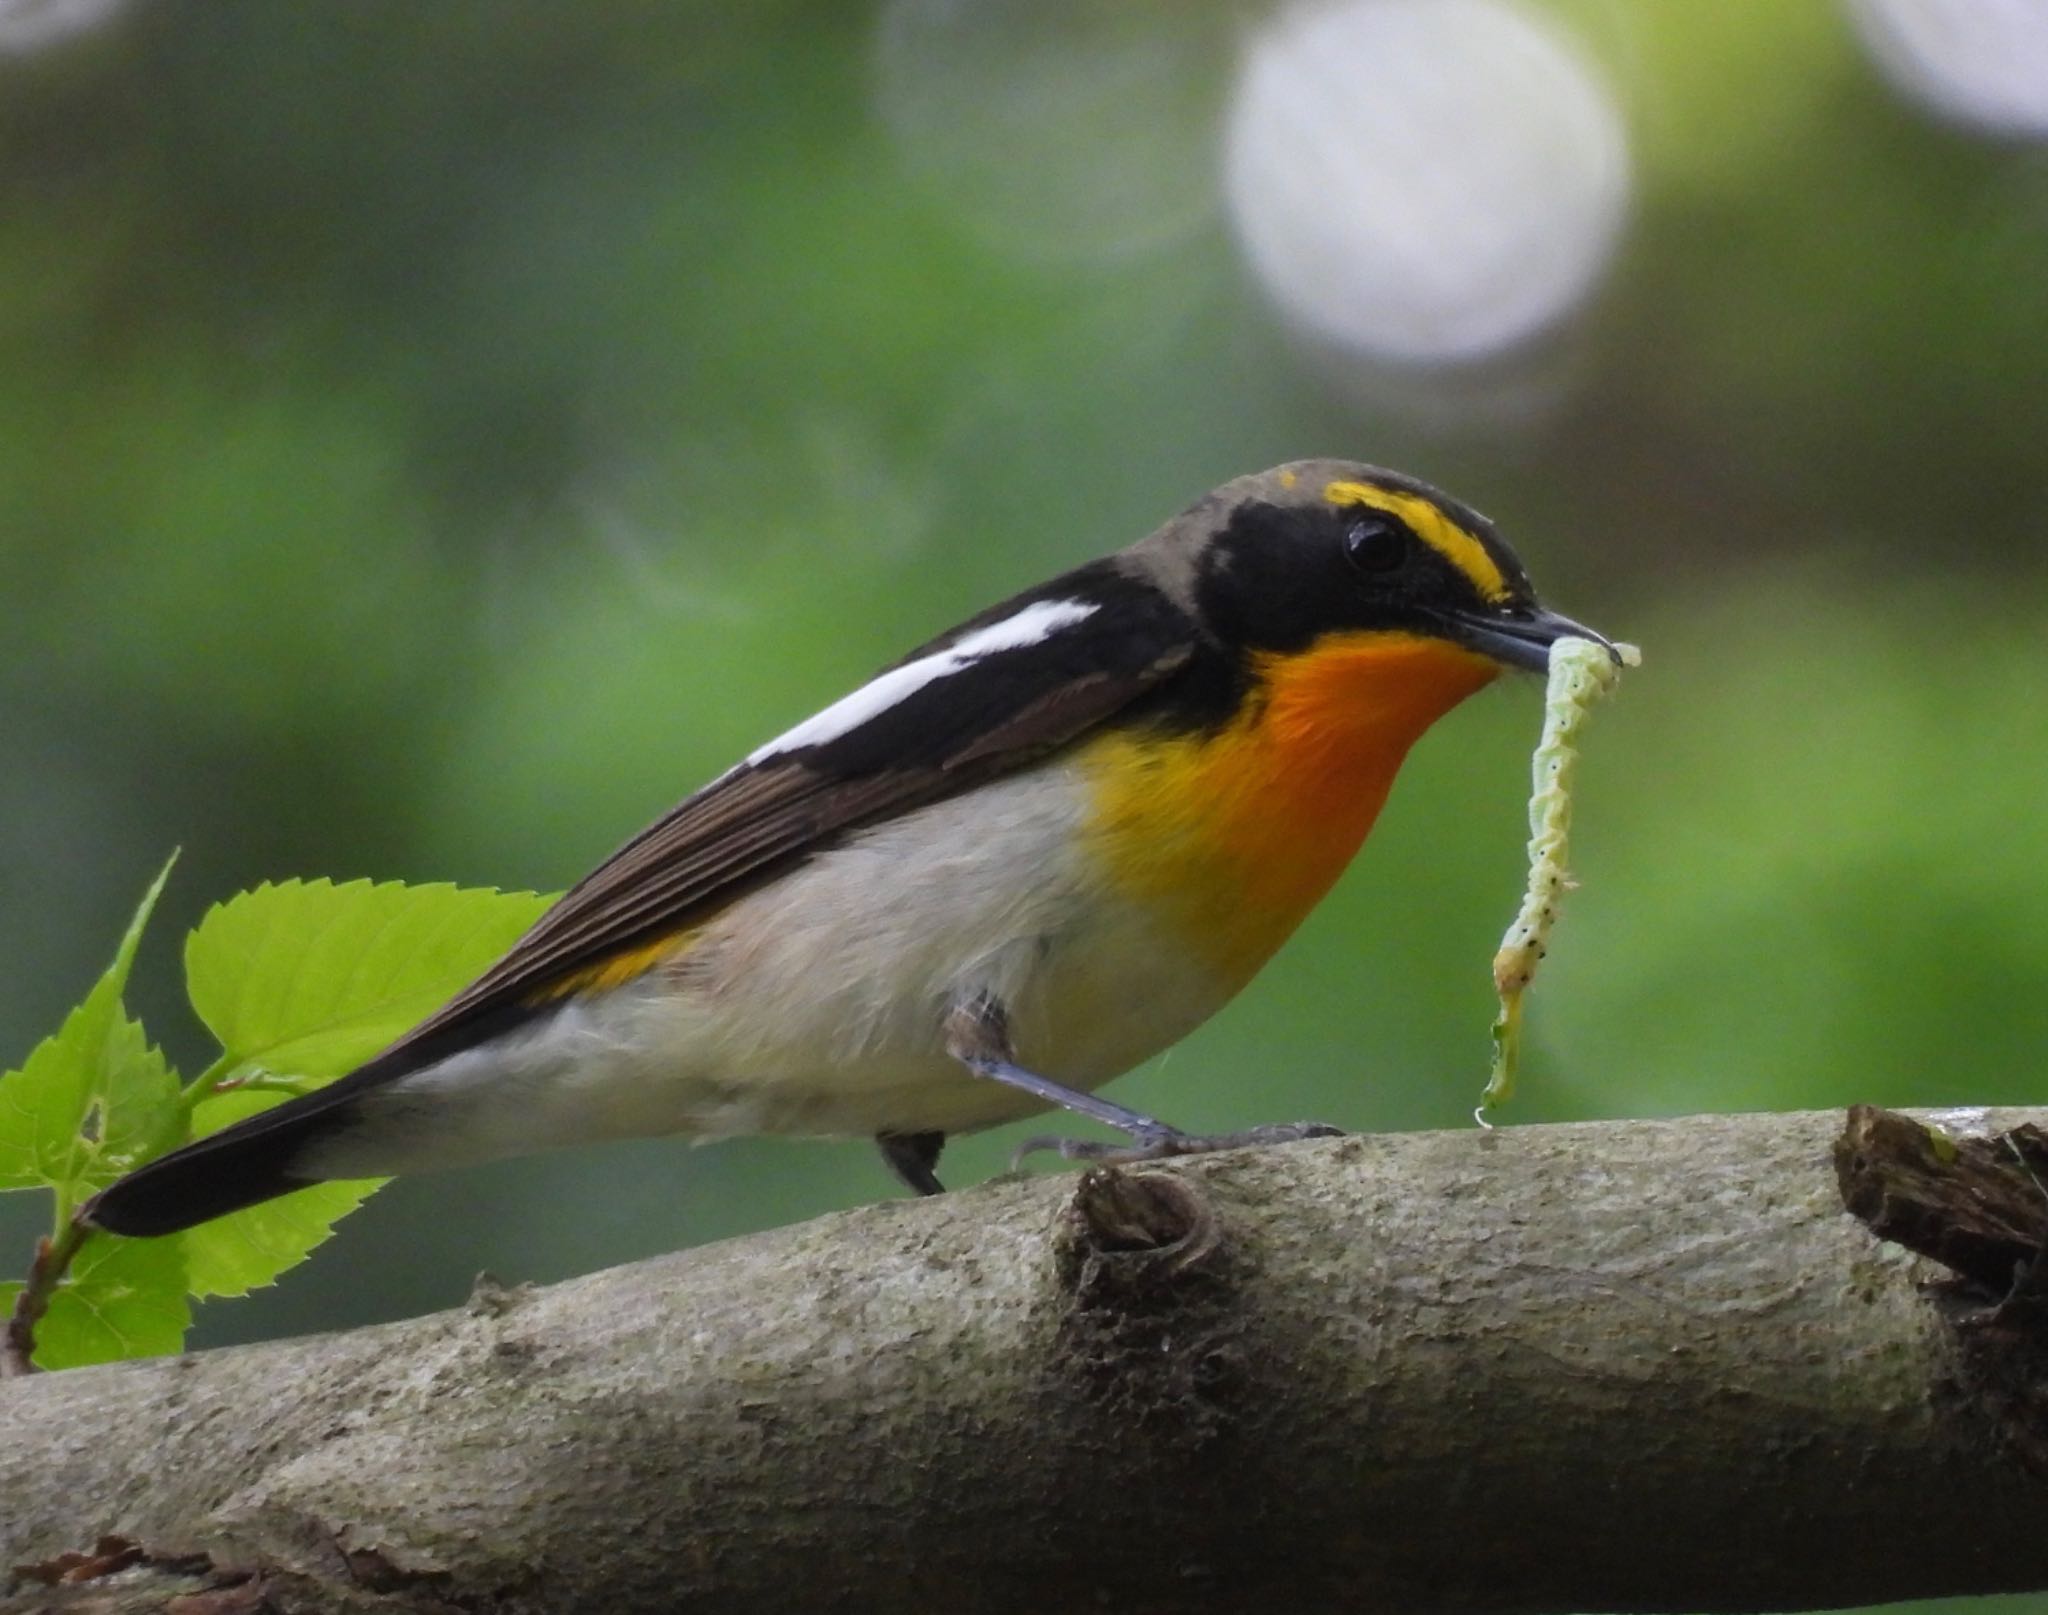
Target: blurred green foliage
<point>439,437</point>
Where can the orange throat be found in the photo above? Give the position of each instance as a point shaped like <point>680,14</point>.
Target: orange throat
<point>1235,835</point>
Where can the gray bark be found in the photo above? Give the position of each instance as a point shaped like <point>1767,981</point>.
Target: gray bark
<point>1630,1366</point>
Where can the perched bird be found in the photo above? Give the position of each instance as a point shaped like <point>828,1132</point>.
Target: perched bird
<point>1030,855</point>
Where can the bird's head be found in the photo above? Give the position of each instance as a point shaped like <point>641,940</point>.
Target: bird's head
<point>1316,550</point>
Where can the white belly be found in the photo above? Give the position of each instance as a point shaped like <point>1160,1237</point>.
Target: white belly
<point>816,1004</point>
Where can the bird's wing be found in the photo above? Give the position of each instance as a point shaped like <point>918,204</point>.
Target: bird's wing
<point>997,694</point>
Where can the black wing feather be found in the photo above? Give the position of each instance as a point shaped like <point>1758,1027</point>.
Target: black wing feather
<point>985,720</point>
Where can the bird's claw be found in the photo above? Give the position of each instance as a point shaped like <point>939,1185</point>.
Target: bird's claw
<point>1158,1144</point>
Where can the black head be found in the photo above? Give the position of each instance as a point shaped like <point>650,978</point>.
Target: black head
<point>1276,561</point>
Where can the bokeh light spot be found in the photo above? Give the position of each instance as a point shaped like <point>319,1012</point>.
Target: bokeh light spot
<point>1978,62</point>
<point>27,25</point>
<point>1427,181</point>
<point>1059,130</point>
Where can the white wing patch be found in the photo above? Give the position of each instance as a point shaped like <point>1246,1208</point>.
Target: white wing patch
<point>1036,622</point>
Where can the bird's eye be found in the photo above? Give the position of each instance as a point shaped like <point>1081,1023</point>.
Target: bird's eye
<point>1376,544</point>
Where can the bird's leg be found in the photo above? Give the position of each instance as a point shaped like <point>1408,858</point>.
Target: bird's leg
<point>978,1036</point>
<point>912,1156</point>
<point>1171,1143</point>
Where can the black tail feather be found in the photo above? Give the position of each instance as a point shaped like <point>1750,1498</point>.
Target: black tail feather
<point>251,1162</point>
<point>240,1166</point>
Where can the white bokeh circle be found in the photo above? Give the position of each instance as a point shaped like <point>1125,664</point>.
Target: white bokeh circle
<point>1062,131</point>
<point>1424,181</point>
<point>29,25</point>
<point>1978,62</point>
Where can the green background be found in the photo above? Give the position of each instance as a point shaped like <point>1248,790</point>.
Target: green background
<point>438,437</point>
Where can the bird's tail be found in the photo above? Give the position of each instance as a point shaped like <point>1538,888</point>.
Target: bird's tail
<point>240,1166</point>
<point>290,1146</point>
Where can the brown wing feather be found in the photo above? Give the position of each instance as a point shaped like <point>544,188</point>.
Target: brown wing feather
<point>720,843</point>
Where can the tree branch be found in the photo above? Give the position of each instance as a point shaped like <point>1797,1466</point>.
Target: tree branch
<point>1622,1366</point>
<point>45,1273</point>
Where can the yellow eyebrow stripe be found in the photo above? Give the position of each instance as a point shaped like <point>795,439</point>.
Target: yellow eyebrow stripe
<point>1433,527</point>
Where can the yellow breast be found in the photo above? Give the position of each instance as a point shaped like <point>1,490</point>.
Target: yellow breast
<point>1235,835</point>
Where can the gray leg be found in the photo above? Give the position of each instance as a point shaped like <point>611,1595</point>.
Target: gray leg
<point>978,1036</point>
<point>1172,1143</point>
<point>912,1156</point>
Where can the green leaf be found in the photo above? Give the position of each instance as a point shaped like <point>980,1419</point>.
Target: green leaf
<point>92,1098</point>
<point>307,978</point>
<point>42,1104</point>
<point>138,1118</point>
<point>123,1298</point>
<point>141,1120</point>
<point>245,1250</point>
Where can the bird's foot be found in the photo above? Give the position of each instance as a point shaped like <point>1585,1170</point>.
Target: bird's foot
<point>1160,1143</point>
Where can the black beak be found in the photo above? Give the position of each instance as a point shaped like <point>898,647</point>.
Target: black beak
<point>1521,637</point>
